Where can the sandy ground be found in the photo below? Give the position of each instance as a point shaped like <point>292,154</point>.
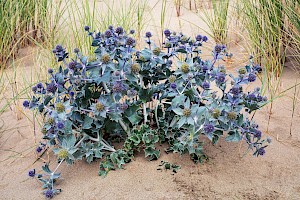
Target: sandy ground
<point>229,174</point>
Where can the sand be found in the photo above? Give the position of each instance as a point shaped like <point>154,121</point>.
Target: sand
<point>229,173</point>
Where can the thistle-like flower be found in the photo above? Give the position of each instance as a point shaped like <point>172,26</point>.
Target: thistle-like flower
<point>187,112</point>
<point>76,50</point>
<point>71,93</point>
<point>59,48</point>
<point>34,88</point>
<point>131,93</point>
<point>44,130</point>
<point>242,70</point>
<point>172,79</point>
<point>218,48</point>
<point>60,107</point>
<point>198,38</point>
<point>232,115</point>
<point>26,104</point>
<point>124,106</point>
<point>50,121</point>
<point>208,128</point>
<point>49,194</point>
<point>216,113</point>
<point>173,85</point>
<point>130,41</point>
<point>72,65</point>
<point>31,173</point>
<point>63,154</point>
<point>39,149</point>
<point>39,86</point>
<point>148,34</point>
<point>251,77</point>
<point>156,51</point>
<point>235,90</point>
<point>220,78</point>
<point>135,68</point>
<point>60,125</point>
<point>205,85</point>
<point>119,30</point>
<point>261,151</point>
<point>119,87</point>
<point>105,58</point>
<point>185,68</point>
<point>51,87</point>
<point>168,45</point>
<point>86,28</point>
<point>257,133</point>
<point>50,71</point>
<point>167,33</point>
<point>108,33</point>
<point>99,106</point>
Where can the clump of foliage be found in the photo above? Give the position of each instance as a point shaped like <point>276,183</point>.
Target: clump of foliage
<point>142,98</point>
<point>165,165</point>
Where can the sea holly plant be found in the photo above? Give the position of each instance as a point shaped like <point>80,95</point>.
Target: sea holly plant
<point>142,98</point>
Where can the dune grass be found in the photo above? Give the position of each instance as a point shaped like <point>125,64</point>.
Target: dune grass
<point>217,20</point>
<point>21,22</point>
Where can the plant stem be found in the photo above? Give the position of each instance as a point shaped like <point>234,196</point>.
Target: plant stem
<point>156,117</point>
<point>145,113</point>
<point>105,144</point>
<point>125,128</point>
<point>105,88</point>
<point>58,166</point>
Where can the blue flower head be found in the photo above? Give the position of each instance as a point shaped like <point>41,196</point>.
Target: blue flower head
<point>39,86</point>
<point>71,94</point>
<point>86,28</point>
<point>59,48</point>
<point>110,27</point>
<point>173,85</point>
<point>251,77</point>
<point>26,104</point>
<point>219,48</point>
<point>39,149</point>
<point>167,33</point>
<point>199,38</point>
<point>50,71</point>
<point>119,30</point>
<point>108,33</point>
<point>148,34</point>
<point>235,90</point>
<point>209,128</point>
<point>124,106</point>
<point>76,50</point>
<point>72,65</point>
<point>205,85</point>
<point>31,173</point>
<point>34,88</point>
<point>261,151</point>
<point>51,87</point>
<point>49,194</point>
<point>119,87</point>
<point>130,41</point>
<point>60,125</point>
<point>220,78</point>
<point>257,133</point>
